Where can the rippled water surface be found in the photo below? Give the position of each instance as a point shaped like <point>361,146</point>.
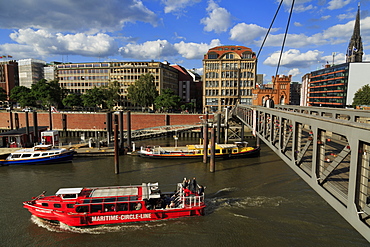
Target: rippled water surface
<point>250,202</point>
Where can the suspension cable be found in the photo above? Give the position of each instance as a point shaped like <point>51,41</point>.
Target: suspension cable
<point>268,31</point>
<point>286,33</point>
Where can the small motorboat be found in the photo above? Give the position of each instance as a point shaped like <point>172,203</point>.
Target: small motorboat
<point>39,154</point>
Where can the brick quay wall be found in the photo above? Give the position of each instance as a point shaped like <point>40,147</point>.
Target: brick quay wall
<point>96,121</point>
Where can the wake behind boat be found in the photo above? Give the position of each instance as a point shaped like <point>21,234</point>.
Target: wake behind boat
<point>39,154</point>
<point>236,150</point>
<point>117,204</point>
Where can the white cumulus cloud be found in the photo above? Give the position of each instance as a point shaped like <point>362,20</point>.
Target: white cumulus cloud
<point>337,4</point>
<point>195,50</point>
<point>177,5</point>
<point>219,19</point>
<point>74,16</point>
<point>293,58</point>
<point>46,43</point>
<point>149,50</point>
<point>246,33</point>
<point>294,72</point>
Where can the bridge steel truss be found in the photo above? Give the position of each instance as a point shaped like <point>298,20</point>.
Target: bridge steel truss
<point>327,148</point>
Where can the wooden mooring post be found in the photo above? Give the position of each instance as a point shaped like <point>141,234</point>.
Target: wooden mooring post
<point>116,145</point>
<point>212,161</point>
<point>205,142</point>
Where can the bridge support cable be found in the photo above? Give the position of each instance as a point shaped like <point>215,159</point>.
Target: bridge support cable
<point>285,34</point>
<point>269,29</point>
<point>330,152</point>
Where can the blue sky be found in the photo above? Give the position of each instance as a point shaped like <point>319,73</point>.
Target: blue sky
<point>181,31</point>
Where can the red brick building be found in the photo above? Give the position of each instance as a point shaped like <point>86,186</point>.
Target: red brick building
<point>8,75</point>
<point>280,91</point>
<point>190,86</point>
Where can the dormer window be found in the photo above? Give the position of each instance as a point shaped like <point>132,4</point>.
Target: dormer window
<point>212,56</point>
<point>229,56</point>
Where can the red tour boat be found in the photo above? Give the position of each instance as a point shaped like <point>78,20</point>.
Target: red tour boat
<point>119,204</point>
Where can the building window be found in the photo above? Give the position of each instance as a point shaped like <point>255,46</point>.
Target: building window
<point>229,56</point>
<point>212,56</point>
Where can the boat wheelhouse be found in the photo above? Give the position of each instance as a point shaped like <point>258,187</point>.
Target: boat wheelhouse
<point>236,150</point>
<point>39,154</point>
<point>118,204</point>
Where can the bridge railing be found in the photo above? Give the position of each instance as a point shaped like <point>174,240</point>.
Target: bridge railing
<point>328,148</point>
<point>352,115</point>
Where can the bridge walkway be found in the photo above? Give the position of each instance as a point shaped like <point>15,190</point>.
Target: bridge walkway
<point>328,148</point>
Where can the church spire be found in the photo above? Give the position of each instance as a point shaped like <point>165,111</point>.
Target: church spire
<point>355,49</point>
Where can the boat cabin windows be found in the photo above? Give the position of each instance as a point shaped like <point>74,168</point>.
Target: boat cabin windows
<point>95,208</point>
<point>108,207</point>
<point>122,206</point>
<point>44,204</point>
<point>57,205</point>
<point>26,155</point>
<point>16,156</point>
<point>112,199</point>
<point>36,155</point>
<point>97,200</point>
<point>82,209</point>
<point>70,205</point>
<point>45,154</point>
<point>69,196</point>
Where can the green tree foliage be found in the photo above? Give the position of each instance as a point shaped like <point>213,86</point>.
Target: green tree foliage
<point>3,95</point>
<point>111,94</point>
<point>167,100</point>
<point>93,97</point>
<point>23,96</point>
<point>143,92</point>
<point>47,93</point>
<point>362,96</point>
<point>72,100</point>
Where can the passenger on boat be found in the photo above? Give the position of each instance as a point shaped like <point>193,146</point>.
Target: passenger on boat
<point>187,192</point>
<point>138,206</point>
<point>200,190</point>
<point>185,183</point>
<point>193,185</point>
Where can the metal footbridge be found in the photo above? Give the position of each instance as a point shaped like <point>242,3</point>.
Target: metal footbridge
<point>161,131</point>
<point>328,148</point>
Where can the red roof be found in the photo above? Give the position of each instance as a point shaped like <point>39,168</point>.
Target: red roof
<point>220,50</point>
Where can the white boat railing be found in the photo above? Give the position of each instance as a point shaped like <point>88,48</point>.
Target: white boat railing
<point>191,200</point>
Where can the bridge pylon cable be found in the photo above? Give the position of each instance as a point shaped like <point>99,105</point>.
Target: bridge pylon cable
<point>286,33</point>
<point>268,31</point>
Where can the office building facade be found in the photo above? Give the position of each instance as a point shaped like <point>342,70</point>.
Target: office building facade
<point>30,71</point>
<point>229,75</point>
<point>80,77</point>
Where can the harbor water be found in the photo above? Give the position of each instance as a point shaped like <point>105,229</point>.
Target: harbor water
<point>250,202</point>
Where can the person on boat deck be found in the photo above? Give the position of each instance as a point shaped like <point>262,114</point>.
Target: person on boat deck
<point>200,190</point>
<point>138,206</point>
<point>187,191</point>
<point>193,185</point>
<point>185,183</point>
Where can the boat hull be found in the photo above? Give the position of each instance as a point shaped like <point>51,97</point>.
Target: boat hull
<point>84,220</point>
<point>92,206</point>
<point>250,153</point>
<point>63,157</point>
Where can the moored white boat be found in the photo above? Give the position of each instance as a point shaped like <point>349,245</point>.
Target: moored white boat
<point>39,154</point>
